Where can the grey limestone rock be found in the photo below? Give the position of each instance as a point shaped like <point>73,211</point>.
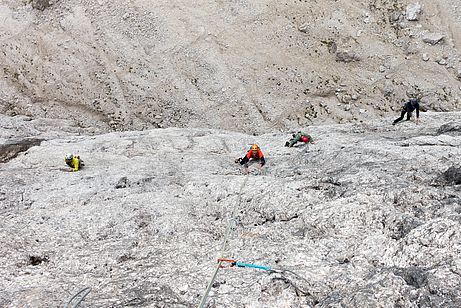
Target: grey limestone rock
<point>347,56</point>
<point>304,28</point>
<point>433,38</point>
<point>40,4</point>
<point>452,175</point>
<point>355,219</point>
<point>367,216</point>
<point>11,148</point>
<point>131,65</point>
<point>413,11</point>
<point>453,127</point>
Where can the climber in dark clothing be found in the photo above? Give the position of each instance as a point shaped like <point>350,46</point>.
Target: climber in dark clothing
<point>408,108</point>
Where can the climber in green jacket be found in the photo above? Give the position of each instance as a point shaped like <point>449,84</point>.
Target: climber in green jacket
<point>299,137</point>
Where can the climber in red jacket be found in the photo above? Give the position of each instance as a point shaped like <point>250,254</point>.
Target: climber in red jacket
<point>254,154</point>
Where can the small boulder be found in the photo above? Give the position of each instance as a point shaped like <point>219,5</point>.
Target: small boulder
<point>304,28</point>
<point>395,16</point>
<point>346,56</point>
<point>413,11</point>
<point>442,62</point>
<point>433,38</point>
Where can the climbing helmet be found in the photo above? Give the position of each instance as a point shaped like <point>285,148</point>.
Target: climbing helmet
<point>255,148</point>
<point>69,156</point>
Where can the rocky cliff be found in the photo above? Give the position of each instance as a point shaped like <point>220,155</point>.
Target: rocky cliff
<point>367,216</point>
<point>159,98</point>
<point>248,66</point>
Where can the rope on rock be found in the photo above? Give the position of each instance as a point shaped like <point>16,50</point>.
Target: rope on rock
<point>284,271</point>
<point>269,269</point>
<point>82,293</point>
<point>223,246</point>
<point>222,261</point>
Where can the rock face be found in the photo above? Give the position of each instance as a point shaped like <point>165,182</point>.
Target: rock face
<point>361,217</point>
<point>452,176</point>
<point>12,148</point>
<point>160,97</point>
<point>248,66</point>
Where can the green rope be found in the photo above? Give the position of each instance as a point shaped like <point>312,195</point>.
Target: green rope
<point>223,246</point>
<point>83,293</point>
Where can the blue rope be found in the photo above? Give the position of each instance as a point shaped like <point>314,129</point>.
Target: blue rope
<point>241,264</point>
<point>276,270</point>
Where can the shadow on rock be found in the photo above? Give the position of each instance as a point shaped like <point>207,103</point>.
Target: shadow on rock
<point>11,149</point>
<point>413,276</point>
<point>452,176</point>
<point>450,127</point>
